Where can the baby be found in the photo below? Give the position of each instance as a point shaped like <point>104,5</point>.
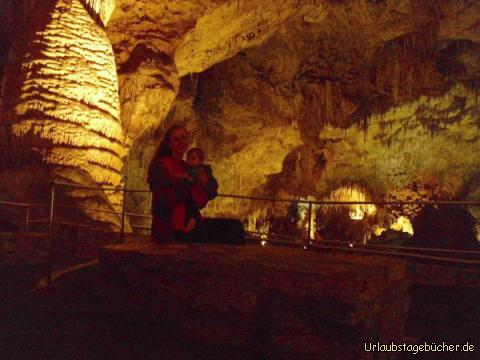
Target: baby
<point>200,172</point>
<point>186,215</point>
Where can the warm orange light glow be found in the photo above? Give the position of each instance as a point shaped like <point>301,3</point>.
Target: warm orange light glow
<point>378,230</point>
<point>403,224</point>
<point>354,193</point>
<point>307,216</point>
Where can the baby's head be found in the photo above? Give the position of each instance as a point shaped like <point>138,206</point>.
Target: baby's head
<point>195,157</point>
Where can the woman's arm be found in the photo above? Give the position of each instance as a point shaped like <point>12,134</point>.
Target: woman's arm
<point>175,170</point>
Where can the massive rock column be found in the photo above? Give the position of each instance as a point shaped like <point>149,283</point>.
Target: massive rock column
<point>60,113</point>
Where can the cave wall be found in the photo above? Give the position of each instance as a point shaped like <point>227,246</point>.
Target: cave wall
<point>297,98</point>
<point>388,104</point>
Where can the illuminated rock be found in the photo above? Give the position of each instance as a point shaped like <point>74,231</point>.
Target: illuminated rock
<point>60,108</point>
<point>289,99</point>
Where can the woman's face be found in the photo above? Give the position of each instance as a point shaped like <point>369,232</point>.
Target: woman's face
<point>179,141</point>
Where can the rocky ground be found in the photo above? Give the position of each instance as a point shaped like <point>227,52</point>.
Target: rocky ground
<point>86,315</point>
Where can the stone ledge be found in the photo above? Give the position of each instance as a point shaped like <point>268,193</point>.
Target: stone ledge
<point>289,301</point>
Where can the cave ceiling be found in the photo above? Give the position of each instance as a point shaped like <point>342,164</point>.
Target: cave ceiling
<point>156,43</point>
<point>349,45</point>
<point>200,33</point>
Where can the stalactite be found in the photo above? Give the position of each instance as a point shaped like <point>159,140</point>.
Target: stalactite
<point>353,193</point>
<point>101,8</point>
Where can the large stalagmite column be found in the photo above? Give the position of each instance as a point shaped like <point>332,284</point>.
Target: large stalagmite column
<point>60,112</point>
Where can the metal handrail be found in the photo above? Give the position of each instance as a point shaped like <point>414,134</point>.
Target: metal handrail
<point>139,215</point>
<point>398,254</point>
<point>88,209</point>
<point>141,227</point>
<point>298,201</point>
<point>453,251</point>
<point>356,244</point>
<point>307,242</point>
<point>65,184</point>
<point>22,204</point>
<point>378,252</point>
<point>245,197</point>
<point>309,202</point>
<point>328,202</point>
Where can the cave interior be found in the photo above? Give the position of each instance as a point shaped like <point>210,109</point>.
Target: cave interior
<point>321,102</point>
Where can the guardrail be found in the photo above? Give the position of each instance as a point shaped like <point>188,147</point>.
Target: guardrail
<point>308,242</point>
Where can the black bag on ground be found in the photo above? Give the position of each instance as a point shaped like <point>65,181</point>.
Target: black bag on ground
<point>224,231</point>
<point>216,231</point>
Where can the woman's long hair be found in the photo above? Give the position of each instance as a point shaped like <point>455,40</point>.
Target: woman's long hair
<point>163,150</point>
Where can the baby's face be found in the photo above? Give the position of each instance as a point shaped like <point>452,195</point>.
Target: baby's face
<point>194,159</point>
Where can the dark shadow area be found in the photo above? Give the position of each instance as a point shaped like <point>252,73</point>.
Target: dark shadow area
<point>445,227</point>
<point>72,321</point>
<point>87,315</point>
<point>441,314</point>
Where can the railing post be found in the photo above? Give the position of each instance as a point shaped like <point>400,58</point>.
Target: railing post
<point>27,220</point>
<point>269,231</point>
<point>124,207</point>
<point>309,227</point>
<point>52,234</point>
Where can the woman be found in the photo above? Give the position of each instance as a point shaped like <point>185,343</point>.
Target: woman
<point>168,189</point>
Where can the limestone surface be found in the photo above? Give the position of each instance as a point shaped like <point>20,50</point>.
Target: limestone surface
<point>288,98</point>
<point>283,301</point>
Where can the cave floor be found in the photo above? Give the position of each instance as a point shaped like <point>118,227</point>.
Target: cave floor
<point>35,335</point>
<point>48,324</point>
<point>26,332</point>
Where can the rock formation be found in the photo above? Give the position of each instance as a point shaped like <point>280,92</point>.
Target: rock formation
<point>60,108</point>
